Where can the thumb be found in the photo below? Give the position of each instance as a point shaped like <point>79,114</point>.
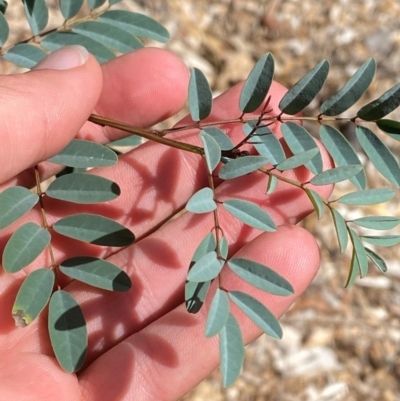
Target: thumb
<point>42,110</point>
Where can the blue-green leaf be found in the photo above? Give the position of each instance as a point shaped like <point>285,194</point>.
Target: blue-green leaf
<point>212,151</point>
<point>305,90</point>
<point>136,24</point>
<point>206,268</point>
<point>83,188</point>
<point>379,154</point>
<point>257,84</point>
<point>4,30</point>
<point>132,140</point>
<point>96,272</point>
<point>67,329</point>
<point>377,260</point>
<point>367,197</point>
<point>241,166</point>
<point>3,6</point>
<point>37,14</point>
<point>95,3</point>
<point>342,152</point>
<point>109,35</point>
<point>202,201</point>
<point>341,230</point>
<point>83,154</point>
<point>24,246</point>
<point>258,313</point>
<point>382,106</point>
<point>250,214</point>
<point>94,229</point>
<point>223,140</point>
<point>361,255</point>
<point>390,127</point>
<point>261,276</point>
<point>15,202</point>
<point>33,296</point>
<point>57,40</point>
<point>354,270</point>
<point>112,2</point>
<point>383,240</point>
<point>297,160</point>
<point>218,314</point>
<point>316,200</point>
<point>272,184</point>
<point>25,55</point>
<point>336,174</point>
<point>299,140</point>
<point>351,91</point>
<point>377,222</point>
<point>223,248</point>
<point>266,143</point>
<point>231,351</point>
<point>69,8</point>
<point>200,96</point>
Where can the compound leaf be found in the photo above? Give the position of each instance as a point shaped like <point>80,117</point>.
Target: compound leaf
<point>212,151</point>
<point>206,268</point>
<point>241,166</point>
<point>83,188</point>
<point>4,29</point>
<point>305,90</point>
<point>258,313</point>
<point>382,106</point>
<point>95,3</point>
<point>136,24</point>
<point>97,273</point>
<point>24,246</point>
<point>390,127</point>
<point>112,2</point>
<point>223,140</point>
<point>297,160</point>
<point>377,260</point>
<point>3,6</point>
<point>94,229</point>
<point>336,174</point>
<point>341,230</point>
<point>361,255</point>
<point>69,8</point>
<point>202,201</point>
<point>109,35</point>
<point>25,55</point>
<point>200,96</point>
<point>83,154</point>
<point>37,14</point>
<point>367,197</point>
<point>342,152</point>
<point>354,270</point>
<point>383,240</point>
<point>231,351</point>
<point>15,202</point>
<point>316,200</point>
<point>257,84</point>
<point>218,314</point>
<point>57,40</point>
<point>377,222</point>
<point>379,154</point>
<point>223,248</point>
<point>250,214</point>
<point>67,329</point>
<point>299,140</point>
<point>351,91</point>
<point>260,276</point>
<point>33,296</point>
<point>272,184</point>
<point>132,140</point>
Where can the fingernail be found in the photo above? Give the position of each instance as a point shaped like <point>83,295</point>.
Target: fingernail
<point>64,58</point>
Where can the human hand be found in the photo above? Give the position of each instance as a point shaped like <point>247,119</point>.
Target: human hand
<point>143,345</point>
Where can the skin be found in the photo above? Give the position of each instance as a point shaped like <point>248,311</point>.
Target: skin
<point>142,344</point>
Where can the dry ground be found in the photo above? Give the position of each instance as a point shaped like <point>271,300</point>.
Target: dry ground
<point>338,344</point>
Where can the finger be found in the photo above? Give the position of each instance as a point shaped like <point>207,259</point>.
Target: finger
<point>170,356</point>
<point>141,88</point>
<point>44,109</point>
